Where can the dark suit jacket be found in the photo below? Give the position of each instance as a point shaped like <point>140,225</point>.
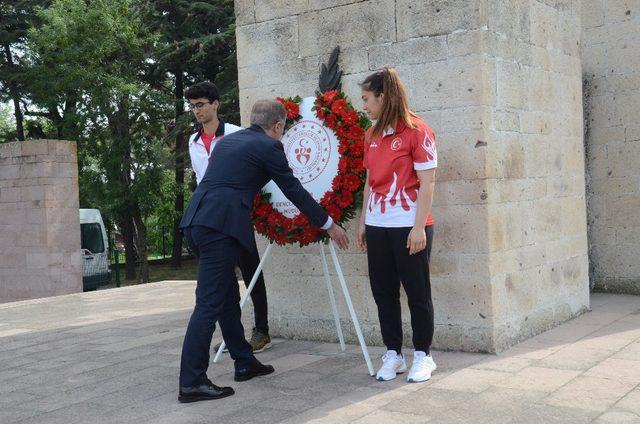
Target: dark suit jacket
<point>240,165</point>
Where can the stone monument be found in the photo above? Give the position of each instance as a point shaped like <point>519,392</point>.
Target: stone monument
<point>501,84</point>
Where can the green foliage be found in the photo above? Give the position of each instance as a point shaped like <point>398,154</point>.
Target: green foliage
<point>16,17</point>
<point>7,124</point>
<point>109,74</point>
<point>196,41</point>
<point>89,60</point>
<point>85,55</point>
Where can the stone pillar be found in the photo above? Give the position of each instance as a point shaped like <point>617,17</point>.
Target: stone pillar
<point>39,220</point>
<point>611,72</point>
<point>500,83</point>
<point>535,168</point>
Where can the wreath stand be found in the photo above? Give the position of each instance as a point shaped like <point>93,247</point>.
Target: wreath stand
<point>332,300</point>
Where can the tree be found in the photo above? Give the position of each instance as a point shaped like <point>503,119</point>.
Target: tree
<point>17,17</point>
<point>197,42</point>
<point>111,75</point>
<point>89,61</point>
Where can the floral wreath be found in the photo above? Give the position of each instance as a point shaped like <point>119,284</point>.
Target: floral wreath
<point>342,200</point>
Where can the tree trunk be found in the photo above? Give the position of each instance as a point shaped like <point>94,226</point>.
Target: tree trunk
<point>129,248</point>
<point>180,152</point>
<point>15,96</point>
<point>68,126</point>
<point>141,244</point>
<point>119,128</point>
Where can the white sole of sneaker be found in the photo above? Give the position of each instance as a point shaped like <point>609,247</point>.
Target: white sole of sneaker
<point>400,371</point>
<point>411,380</point>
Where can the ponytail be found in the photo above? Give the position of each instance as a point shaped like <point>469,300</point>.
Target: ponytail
<point>395,104</point>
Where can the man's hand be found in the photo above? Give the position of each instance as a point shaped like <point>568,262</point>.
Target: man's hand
<point>339,235</point>
<point>417,240</point>
<point>362,237</point>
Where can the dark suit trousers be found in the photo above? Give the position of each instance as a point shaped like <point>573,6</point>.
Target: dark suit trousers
<point>217,299</point>
<point>248,262</point>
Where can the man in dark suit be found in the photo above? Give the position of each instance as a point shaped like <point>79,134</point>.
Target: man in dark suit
<point>217,226</point>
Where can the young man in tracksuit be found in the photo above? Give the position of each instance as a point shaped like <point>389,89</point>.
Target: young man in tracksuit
<point>204,101</point>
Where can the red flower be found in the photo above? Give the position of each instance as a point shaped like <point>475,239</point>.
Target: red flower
<point>330,96</point>
<point>287,225</point>
<point>300,220</point>
<point>337,182</point>
<point>309,236</point>
<point>327,199</point>
<point>357,165</point>
<point>261,226</point>
<point>291,107</point>
<point>331,121</point>
<point>274,219</point>
<point>350,117</point>
<point>343,164</point>
<point>351,182</point>
<point>339,107</point>
<point>355,133</point>
<point>293,110</point>
<point>357,150</point>
<point>262,209</point>
<point>345,199</point>
<point>334,211</point>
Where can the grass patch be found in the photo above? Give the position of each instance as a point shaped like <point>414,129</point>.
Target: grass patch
<point>162,272</point>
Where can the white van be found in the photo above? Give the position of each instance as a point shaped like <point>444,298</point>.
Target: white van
<point>95,250</point>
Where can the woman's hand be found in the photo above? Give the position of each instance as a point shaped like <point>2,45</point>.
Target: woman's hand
<point>362,237</point>
<point>417,240</point>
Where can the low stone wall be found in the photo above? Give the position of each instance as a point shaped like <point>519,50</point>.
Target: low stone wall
<point>39,220</point>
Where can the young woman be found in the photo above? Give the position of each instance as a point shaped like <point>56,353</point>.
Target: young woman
<point>396,227</point>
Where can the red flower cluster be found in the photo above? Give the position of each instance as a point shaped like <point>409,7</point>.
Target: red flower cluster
<point>340,202</point>
<point>292,106</point>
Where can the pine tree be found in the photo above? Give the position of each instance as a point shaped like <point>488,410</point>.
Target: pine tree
<point>197,43</point>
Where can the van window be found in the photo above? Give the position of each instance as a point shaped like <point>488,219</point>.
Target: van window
<point>91,235</point>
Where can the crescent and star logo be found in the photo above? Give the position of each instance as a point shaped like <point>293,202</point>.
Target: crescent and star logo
<point>396,144</point>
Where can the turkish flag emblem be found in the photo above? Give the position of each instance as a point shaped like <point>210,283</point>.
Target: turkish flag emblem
<point>396,143</point>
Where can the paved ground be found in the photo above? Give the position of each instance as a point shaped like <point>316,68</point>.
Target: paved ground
<point>112,357</point>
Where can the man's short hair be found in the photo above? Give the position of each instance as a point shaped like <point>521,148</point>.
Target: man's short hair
<point>205,89</point>
<point>266,113</point>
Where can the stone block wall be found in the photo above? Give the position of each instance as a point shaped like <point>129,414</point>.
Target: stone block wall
<point>535,167</point>
<point>39,220</point>
<point>611,73</point>
<point>500,84</point>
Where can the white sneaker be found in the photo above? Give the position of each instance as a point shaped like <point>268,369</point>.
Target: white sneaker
<point>421,368</point>
<point>392,364</point>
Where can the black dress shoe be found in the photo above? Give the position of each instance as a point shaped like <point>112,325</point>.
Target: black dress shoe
<point>255,369</point>
<point>205,391</point>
